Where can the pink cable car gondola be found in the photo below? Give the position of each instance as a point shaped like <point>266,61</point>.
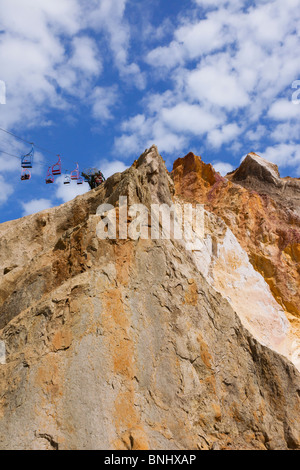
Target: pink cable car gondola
<point>75,173</point>
<point>56,169</point>
<point>49,177</point>
<point>26,175</point>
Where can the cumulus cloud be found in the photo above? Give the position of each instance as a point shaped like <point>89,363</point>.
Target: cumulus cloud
<point>283,110</point>
<point>109,168</point>
<point>166,56</point>
<point>213,4</point>
<point>47,54</point>
<point>109,16</point>
<point>7,190</point>
<point>217,84</point>
<point>144,132</point>
<point>219,75</point>
<point>189,118</point>
<point>67,192</point>
<point>30,51</point>
<point>35,205</point>
<point>227,67</point>
<point>218,137</point>
<point>223,167</point>
<point>102,100</point>
<point>284,155</point>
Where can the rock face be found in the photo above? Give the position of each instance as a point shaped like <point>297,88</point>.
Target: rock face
<point>260,175</point>
<point>262,211</point>
<point>141,344</point>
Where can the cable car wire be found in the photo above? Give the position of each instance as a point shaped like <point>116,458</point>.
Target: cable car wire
<point>44,165</point>
<point>29,143</point>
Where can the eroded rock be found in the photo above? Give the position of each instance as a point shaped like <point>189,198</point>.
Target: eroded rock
<point>126,344</point>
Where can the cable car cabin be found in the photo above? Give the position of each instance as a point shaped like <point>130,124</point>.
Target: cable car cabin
<point>56,169</point>
<point>26,175</point>
<point>75,173</point>
<point>49,177</point>
<point>67,179</point>
<point>27,160</point>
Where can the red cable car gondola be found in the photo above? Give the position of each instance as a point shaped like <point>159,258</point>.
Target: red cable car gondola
<point>49,177</point>
<point>56,169</point>
<point>26,175</point>
<point>75,173</point>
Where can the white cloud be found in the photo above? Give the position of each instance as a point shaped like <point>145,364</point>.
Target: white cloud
<point>67,192</point>
<point>222,72</point>
<point>282,110</point>
<point>7,189</point>
<point>144,132</point>
<point>30,51</point>
<point>223,167</point>
<point>129,145</point>
<point>226,134</point>
<point>256,134</point>
<point>214,4</point>
<point>35,205</point>
<point>102,100</point>
<point>84,64</point>
<point>232,62</point>
<point>284,155</point>
<point>217,84</point>
<point>109,16</point>
<point>47,53</point>
<point>189,118</point>
<point>202,37</point>
<point>167,141</point>
<point>166,57</point>
<point>285,132</point>
<point>85,55</point>
<point>110,168</point>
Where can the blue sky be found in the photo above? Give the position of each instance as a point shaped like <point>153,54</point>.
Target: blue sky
<point>99,81</point>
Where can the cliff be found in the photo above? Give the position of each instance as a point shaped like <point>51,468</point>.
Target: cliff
<point>263,212</point>
<point>148,344</point>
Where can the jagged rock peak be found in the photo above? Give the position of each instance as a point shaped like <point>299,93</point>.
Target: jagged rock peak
<point>256,173</point>
<point>255,166</point>
<point>192,177</point>
<point>147,181</point>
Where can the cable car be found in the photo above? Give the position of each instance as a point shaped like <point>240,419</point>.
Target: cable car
<point>27,160</point>
<point>26,175</point>
<point>56,169</point>
<point>67,179</point>
<point>49,177</point>
<point>75,173</point>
